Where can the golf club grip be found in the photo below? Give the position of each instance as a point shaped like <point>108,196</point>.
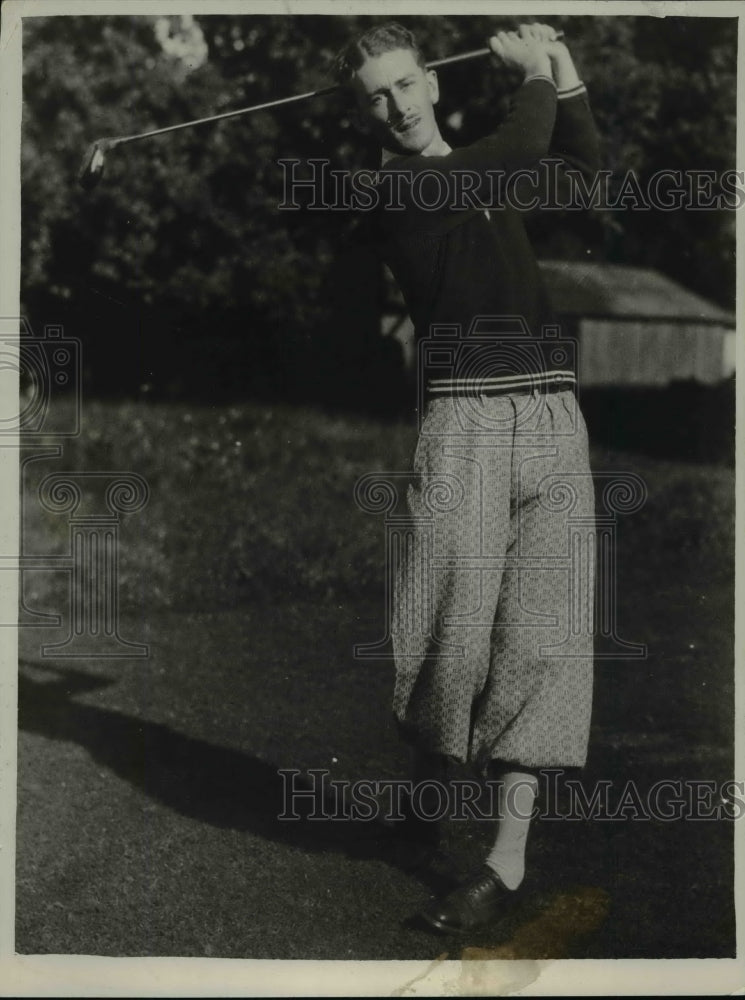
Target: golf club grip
<point>475,54</point>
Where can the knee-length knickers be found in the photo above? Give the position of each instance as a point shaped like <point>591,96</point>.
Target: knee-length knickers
<point>493,600</point>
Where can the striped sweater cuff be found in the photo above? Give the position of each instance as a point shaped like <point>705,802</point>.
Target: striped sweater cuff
<point>574,91</point>
<point>539,76</point>
<point>498,385</point>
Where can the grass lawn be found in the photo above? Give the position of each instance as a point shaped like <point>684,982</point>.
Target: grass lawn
<point>148,790</point>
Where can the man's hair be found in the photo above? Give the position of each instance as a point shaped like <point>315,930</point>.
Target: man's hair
<point>383,38</point>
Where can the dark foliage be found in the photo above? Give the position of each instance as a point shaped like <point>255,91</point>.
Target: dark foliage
<point>179,272</point>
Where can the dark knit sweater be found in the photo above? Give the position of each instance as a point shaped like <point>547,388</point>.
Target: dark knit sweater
<point>474,274</point>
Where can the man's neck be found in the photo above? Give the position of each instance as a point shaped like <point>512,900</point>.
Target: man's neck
<point>438,147</point>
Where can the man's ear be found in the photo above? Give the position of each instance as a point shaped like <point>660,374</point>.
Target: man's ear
<point>433,86</point>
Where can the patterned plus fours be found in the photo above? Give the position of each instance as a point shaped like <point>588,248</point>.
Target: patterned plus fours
<point>492,630</point>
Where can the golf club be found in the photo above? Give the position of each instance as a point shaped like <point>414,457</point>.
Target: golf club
<point>94,160</point>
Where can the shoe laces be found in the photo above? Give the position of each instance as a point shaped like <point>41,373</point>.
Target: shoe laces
<point>474,890</point>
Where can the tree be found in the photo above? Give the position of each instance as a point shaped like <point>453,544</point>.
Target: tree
<point>180,269</point>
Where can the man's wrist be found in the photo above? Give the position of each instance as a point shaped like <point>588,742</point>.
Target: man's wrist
<point>563,68</point>
<point>539,67</point>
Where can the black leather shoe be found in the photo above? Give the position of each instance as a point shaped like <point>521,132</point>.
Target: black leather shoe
<point>478,901</point>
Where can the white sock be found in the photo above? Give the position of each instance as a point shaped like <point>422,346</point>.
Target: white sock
<point>516,799</point>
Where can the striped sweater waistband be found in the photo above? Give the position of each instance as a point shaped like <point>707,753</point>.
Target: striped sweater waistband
<point>551,381</point>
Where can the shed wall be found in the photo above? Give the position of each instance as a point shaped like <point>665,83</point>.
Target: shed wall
<point>646,353</point>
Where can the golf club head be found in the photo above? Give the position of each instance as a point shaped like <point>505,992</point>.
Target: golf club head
<point>91,169</point>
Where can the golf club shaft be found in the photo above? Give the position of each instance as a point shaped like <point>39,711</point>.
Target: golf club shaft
<point>475,54</point>
<point>295,99</point>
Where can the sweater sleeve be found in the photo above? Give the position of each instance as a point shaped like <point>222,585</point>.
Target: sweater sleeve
<point>431,185</point>
<point>574,146</point>
<point>575,138</point>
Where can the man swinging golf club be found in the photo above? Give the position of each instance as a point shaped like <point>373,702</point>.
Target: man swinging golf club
<point>501,675</point>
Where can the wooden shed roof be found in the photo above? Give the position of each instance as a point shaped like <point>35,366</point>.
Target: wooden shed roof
<point>595,289</point>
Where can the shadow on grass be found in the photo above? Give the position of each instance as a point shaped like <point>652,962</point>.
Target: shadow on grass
<point>211,784</point>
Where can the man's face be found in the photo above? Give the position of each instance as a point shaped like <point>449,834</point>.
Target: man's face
<point>396,99</point>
